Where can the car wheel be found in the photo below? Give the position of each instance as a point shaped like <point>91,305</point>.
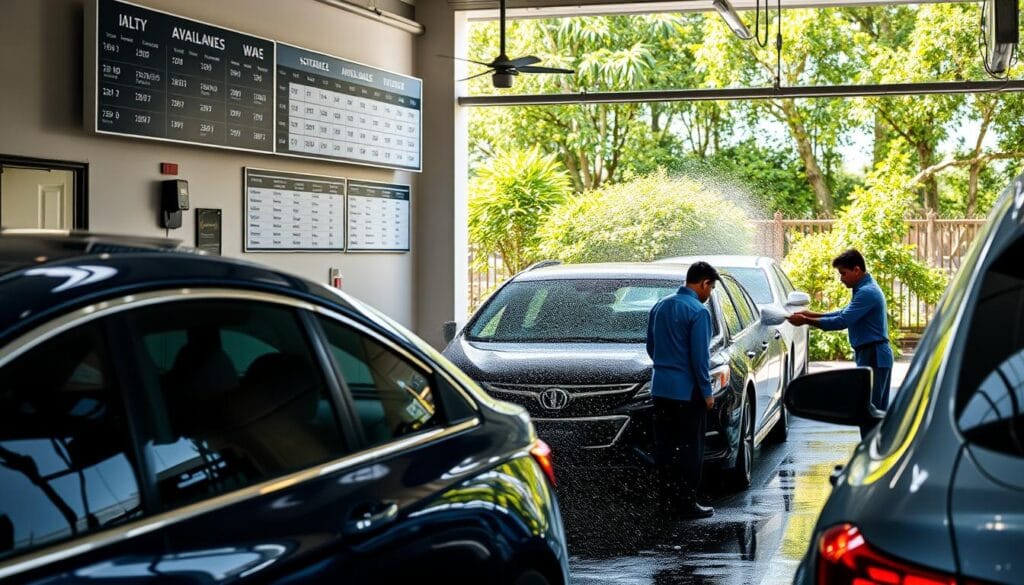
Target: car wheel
<point>780,432</point>
<point>531,577</point>
<point>739,476</point>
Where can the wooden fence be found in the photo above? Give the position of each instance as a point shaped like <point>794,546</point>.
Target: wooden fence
<point>938,242</point>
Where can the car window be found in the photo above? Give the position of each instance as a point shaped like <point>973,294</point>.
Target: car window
<point>746,313</point>
<point>393,398</point>
<point>990,402</point>
<point>787,285</point>
<point>66,464</point>
<point>240,397</point>
<point>732,318</point>
<point>755,281</point>
<point>598,310</point>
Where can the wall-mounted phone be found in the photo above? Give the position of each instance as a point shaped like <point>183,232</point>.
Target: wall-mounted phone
<point>173,200</point>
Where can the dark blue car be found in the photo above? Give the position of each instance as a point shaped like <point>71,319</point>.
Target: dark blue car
<point>171,417</point>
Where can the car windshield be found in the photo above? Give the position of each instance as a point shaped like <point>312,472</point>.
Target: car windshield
<point>584,310</point>
<point>756,283</point>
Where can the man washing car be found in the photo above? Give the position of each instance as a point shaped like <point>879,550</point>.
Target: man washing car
<point>866,320</point>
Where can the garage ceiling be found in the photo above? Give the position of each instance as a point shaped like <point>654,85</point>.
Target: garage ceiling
<point>552,8</point>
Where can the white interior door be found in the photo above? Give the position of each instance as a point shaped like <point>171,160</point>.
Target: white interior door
<point>36,198</point>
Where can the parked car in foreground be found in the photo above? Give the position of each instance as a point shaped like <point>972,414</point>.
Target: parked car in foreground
<point>568,342</point>
<point>170,417</point>
<point>935,493</point>
<point>768,285</point>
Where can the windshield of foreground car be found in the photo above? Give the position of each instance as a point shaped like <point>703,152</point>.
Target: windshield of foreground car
<point>573,311</point>
<point>756,283</point>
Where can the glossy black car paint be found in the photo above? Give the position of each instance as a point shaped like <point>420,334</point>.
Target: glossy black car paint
<point>506,370</point>
<point>472,506</point>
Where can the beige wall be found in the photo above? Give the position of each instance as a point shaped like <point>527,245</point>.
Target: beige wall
<point>41,103</point>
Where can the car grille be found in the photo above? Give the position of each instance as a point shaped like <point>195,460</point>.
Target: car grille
<point>584,433</point>
<point>582,401</point>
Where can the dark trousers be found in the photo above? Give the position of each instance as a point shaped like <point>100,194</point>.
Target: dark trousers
<point>880,380</point>
<point>679,445</point>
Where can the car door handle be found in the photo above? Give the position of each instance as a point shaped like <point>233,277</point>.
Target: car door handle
<point>778,335</point>
<point>764,345</point>
<point>751,354</point>
<point>370,516</point>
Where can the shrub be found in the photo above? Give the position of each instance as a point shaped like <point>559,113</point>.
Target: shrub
<point>645,219</point>
<point>508,200</point>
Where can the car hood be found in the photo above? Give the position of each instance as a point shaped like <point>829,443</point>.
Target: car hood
<point>551,363</point>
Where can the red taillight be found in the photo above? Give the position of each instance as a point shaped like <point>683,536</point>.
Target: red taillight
<point>542,453</point>
<point>846,558</point>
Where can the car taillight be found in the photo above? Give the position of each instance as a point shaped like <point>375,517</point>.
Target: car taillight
<point>542,454</point>
<point>846,558</point>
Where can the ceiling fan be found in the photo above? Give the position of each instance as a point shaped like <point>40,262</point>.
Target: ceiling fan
<point>502,69</point>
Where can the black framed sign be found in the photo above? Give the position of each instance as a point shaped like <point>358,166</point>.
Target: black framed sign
<point>378,216</point>
<point>208,230</point>
<point>331,108</point>
<point>165,77</point>
<point>293,212</point>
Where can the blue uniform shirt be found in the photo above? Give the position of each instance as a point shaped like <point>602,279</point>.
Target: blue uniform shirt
<point>679,343</point>
<point>867,321</point>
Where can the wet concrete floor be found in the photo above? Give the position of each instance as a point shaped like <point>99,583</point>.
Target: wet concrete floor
<point>619,533</point>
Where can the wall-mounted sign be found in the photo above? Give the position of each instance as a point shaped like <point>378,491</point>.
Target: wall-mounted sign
<point>293,212</point>
<point>336,109</point>
<point>162,76</point>
<point>378,217</point>
<point>208,230</point>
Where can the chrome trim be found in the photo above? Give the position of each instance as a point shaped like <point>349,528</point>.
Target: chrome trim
<point>615,439</point>
<point>62,551</point>
<point>520,390</point>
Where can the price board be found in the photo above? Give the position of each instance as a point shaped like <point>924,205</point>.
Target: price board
<point>293,212</point>
<point>378,217</point>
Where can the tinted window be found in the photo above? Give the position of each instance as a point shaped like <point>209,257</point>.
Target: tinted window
<point>240,397</point>
<point>732,318</point>
<point>571,310</point>
<point>393,398</point>
<point>66,468</point>
<point>991,390</point>
<point>743,307</point>
<point>755,281</point>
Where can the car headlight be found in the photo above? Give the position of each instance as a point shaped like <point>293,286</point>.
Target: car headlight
<point>720,379</point>
<point>644,391</point>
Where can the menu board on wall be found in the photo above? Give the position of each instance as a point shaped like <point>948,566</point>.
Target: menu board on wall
<point>170,78</point>
<point>340,110</point>
<point>293,212</point>
<point>378,217</point>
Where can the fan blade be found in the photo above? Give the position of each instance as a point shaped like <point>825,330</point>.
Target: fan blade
<point>488,72</point>
<point>521,61</point>
<point>468,60</point>
<point>544,70</point>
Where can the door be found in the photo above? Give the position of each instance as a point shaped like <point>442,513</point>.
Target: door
<point>36,198</point>
<point>72,505</point>
<point>757,345</point>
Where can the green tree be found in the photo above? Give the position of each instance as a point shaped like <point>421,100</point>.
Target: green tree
<point>509,198</point>
<point>874,224</point>
<point>645,219</point>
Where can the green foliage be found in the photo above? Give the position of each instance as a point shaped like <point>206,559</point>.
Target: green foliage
<point>874,225</point>
<point>645,219</point>
<point>508,200</point>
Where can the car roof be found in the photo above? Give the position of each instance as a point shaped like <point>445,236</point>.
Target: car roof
<point>618,270</point>
<point>724,260</point>
<point>42,276</point>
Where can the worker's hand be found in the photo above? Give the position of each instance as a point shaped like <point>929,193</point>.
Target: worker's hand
<point>797,319</point>
<point>710,401</point>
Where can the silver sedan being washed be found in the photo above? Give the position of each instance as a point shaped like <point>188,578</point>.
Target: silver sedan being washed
<point>935,493</point>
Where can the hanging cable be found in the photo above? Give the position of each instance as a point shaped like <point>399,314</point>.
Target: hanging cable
<point>778,42</point>
<point>757,23</point>
<point>983,48</point>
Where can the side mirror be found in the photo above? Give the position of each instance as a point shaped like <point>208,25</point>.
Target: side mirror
<point>772,316</point>
<point>839,396</point>
<point>798,299</point>
<point>450,329</point>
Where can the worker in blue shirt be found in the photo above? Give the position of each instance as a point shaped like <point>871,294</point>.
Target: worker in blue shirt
<point>866,320</point>
<point>679,341</point>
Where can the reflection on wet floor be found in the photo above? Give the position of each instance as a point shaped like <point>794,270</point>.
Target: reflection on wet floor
<point>618,532</point>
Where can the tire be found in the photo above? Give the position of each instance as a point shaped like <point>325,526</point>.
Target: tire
<point>739,477</point>
<point>780,432</point>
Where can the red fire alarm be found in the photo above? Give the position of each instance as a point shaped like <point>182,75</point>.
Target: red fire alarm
<point>168,168</point>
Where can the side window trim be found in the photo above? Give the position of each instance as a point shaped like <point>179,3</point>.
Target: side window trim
<point>743,331</point>
<point>341,397</point>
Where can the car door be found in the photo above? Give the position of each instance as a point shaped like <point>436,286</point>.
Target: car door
<point>73,508</point>
<point>796,335</point>
<point>757,346</point>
